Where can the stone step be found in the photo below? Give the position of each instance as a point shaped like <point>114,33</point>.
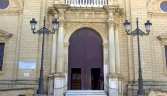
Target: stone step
<point>85,93</point>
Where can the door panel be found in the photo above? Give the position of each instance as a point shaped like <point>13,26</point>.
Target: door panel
<point>85,52</point>
<point>76,78</point>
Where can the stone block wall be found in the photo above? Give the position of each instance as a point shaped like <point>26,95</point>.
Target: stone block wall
<point>17,92</point>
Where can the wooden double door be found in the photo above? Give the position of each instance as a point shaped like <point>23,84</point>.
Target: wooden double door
<point>85,60</point>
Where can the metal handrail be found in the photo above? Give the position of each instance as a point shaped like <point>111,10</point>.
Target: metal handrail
<point>61,87</point>
<point>110,87</point>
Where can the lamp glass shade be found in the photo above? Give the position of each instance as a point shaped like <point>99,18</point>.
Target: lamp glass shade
<point>148,26</point>
<point>127,25</point>
<point>55,24</point>
<point>33,23</point>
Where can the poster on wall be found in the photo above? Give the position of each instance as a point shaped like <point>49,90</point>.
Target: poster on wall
<point>27,65</point>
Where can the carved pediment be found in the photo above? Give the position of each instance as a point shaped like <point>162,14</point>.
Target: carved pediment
<point>162,37</point>
<point>5,35</point>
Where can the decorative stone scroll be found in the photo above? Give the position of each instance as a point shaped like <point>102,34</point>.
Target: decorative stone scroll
<point>163,38</point>
<point>4,35</point>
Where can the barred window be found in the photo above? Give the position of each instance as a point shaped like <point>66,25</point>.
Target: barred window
<point>2,45</point>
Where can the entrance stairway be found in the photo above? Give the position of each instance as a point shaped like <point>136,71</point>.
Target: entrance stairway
<point>85,93</point>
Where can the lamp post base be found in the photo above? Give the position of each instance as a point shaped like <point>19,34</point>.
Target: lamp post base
<point>141,91</point>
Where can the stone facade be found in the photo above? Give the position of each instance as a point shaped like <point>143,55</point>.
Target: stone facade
<point>120,55</point>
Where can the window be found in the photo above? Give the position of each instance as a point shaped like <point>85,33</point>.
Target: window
<point>163,6</point>
<point>1,54</point>
<point>4,4</point>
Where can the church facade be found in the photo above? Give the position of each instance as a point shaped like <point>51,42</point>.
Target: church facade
<point>90,40</point>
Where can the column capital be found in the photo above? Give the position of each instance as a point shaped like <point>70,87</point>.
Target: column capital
<point>61,13</point>
<point>66,44</point>
<point>116,25</point>
<point>20,12</point>
<point>61,22</point>
<point>111,24</point>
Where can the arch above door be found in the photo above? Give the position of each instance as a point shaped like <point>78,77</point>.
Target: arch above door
<point>98,28</point>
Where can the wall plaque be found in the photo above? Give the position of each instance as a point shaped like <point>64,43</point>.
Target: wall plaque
<point>27,65</point>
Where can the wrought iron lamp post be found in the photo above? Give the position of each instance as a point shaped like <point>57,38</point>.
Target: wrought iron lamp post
<point>138,32</point>
<point>43,31</point>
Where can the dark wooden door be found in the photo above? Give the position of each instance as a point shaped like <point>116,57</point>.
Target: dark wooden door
<point>85,52</point>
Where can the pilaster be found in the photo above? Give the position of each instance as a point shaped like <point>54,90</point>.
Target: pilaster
<point>117,50</point>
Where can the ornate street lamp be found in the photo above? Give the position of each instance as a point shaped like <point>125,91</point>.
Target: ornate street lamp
<point>43,31</point>
<point>138,32</point>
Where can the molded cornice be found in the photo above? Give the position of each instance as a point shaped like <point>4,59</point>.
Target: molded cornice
<point>114,8</point>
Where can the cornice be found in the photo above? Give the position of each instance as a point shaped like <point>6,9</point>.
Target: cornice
<point>61,6</point>
<point>157,13</point>
<point>9,11</point>
<point>114,9</point>
<point>106,8</point>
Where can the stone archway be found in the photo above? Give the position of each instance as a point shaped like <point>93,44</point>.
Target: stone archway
<point>85,60</point>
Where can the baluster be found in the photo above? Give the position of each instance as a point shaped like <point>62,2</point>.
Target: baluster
<point>76,2</point>
<point>86,2</point>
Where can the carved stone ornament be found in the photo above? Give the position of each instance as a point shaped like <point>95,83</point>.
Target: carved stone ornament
<point>162,37</point>
<point>115,9</point>
<point>5,35</point>
<point>61,22</point>
<point>111,24</point>
<point>52,11</point>
<point>58,9</point>
<point>66,44</point>
<point>116,25</point>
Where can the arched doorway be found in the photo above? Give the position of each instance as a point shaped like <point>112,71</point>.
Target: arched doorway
<point>85,60</point>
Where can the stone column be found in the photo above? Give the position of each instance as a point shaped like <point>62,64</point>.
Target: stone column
<point>113,80</point>
<point>60,76</point>
<point>111,49</point>
<point>117,51</point>
<point>60,42</point>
